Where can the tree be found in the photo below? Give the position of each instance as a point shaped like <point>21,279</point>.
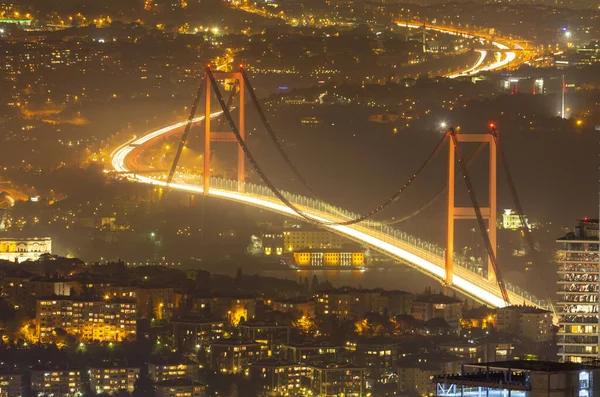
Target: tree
<point>314,285</point>
<point>143,388</point>
<point>374,324</point>
<point>305,325</point>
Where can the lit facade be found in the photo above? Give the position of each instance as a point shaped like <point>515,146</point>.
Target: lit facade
<point>66,382</point>
<point>23,249</point>
<point>162,372</point>
<point>337,380</point>
<point>112,379</point>
<point>512,220</point>
<point>277,378</point>
<point>319,258</point>
<point>194,332</point>
<point>577,306</point>
<point>180,388</point>
<point>349,303</point>
<point>104,320</point>
<point>299,307</point>
<point>234,356</point>
<point>295,239</point>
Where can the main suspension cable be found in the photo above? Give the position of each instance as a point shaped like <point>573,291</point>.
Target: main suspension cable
<point>480,221</point>
<point>271,133</point>
<point>438,194</point>
<point>281,197</point>
<point>188,126</point>
<point>517,201</point>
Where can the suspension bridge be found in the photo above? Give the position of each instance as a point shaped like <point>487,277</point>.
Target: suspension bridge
<point>485,286</point>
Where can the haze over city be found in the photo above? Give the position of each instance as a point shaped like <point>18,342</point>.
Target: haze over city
<point>299,198</point>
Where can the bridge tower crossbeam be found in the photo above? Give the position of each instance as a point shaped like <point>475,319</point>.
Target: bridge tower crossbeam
<point>461,213</point>
<point>220,136</point>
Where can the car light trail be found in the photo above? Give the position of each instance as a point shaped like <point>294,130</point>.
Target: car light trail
<point>501,63</point>
<point>119,158</point>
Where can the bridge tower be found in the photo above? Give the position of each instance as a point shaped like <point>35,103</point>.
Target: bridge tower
<point>460,213</point>
<point>228,136</point>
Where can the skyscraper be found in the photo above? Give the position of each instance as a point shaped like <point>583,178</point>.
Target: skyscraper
<point>578,278</point>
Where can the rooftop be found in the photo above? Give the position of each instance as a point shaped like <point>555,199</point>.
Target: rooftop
<point>524,309</point>
<point>539,366</point>
<point>436,298</point>
<point>179,382</point>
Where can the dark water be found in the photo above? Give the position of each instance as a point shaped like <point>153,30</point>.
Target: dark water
<point>399,277</point>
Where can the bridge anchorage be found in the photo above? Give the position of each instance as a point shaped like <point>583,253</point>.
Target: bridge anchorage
<point>488,288</point>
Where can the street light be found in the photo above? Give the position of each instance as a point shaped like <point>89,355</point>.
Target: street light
<point>443,124</point>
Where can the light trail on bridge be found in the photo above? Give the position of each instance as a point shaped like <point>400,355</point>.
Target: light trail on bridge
<point>470,288</point>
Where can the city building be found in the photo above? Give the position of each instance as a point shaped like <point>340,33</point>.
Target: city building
<point>278,378</point>
<point>577,305</point>
<point>155,302</point>
<point>232,308</point>
<point>512,221</point>
<point>298,306</point>
<point>415,371</point>
<point>196,332</point>
<point>112,377</point>
<point>180,388</point>
<point>158,372</point>
<point>10,384</point>
<point>98,319</point>
<point>528,323</point>
<point>266,332</point>
<point>310,350</point>
<point>520,378</point>
<point>233,356</point>
<point>397,302</point>
<point>428,306</point>
<point>23,249</point>
<point>329,257</point>
<point>56,382</point>
<point>349,303</point>
<point>334,379</point>
<point>301,238</point>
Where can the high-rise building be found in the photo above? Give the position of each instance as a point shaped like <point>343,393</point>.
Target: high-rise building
<point>578,277</point>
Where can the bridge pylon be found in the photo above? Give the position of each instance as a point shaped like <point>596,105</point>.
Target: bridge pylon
<point>461,213</point>
<point>224,136</point>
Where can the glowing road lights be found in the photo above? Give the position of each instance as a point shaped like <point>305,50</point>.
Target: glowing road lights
<point>492,125</point>
<point>463,280</point>
<point>443,124</point>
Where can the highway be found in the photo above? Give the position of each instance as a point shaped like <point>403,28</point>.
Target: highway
<point>506,57</point>
<point>415,253</point>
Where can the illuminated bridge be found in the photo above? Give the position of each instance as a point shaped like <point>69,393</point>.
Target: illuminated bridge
<point>485,287</point>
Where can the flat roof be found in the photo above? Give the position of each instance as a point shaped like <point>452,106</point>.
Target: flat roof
<point>539,366</point>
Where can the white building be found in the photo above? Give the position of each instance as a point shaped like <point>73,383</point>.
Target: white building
<point>22,249</point>
<point>512,221</point>
<point>577,304</point>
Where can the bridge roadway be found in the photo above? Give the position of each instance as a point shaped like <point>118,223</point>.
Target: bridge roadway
<point>421,255</point>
